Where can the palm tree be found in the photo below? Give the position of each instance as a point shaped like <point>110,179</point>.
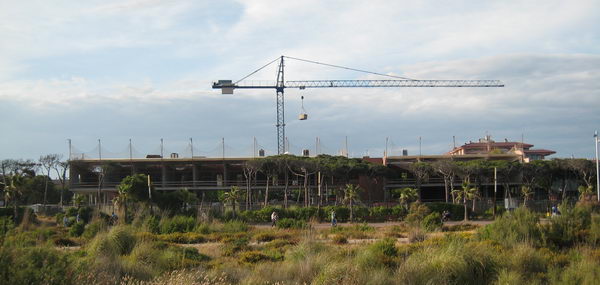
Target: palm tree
<point>123,196</point>
<point>465,194</point>
<point>351,195</point>
<point>13,191</point>
<point>527,193</point>
<point>407,195</point>
<point>78,200</point>
<point>232,196</point>
<point>585,192</point>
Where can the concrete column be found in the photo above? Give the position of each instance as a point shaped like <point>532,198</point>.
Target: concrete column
<point>164,175</point>
<point>225,177</point>
<point>194,174</point>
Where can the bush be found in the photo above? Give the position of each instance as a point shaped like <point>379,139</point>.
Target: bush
<point>527,261</point>
<point>85,214</point>
<point>379,254</point>
<point>71,212</point>
<point>21,212</point>
<point>417,212</point>
<point>234,226</point>
<point>339,239</point>
<point>60,241</point>
<point>594,234</point>
<point>569,227</point>
<point>152,224</point>
<point>6,224</point>
<point>252,257</point>
<point>287,223</point>
<point>183,238</point>
<point>457,212</point>
<point>33,265</point>
<point>342,214</point>
<point>361,214</point>
<point>512,228</point>
<point>399,212</point>
<point>77,229</point>
<point>452,263</point>
<point>460,228</point>
<point>177,224</point>
<point>432,222</point>
<point>118,241</point>
<point>93,228</point>
<point>416,235</point>
<point>232,245</point>
<point>380,214</point>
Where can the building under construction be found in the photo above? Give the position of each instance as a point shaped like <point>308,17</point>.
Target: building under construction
<point>202,174</point>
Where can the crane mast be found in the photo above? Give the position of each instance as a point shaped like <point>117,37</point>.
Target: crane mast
<point>227,87</point>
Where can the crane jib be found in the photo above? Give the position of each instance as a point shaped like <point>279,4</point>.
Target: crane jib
<point>302,84</point>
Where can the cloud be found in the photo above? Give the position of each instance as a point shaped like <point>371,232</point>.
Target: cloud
<point>143,69</point>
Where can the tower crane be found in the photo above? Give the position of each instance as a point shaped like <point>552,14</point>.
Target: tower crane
<point>227,87</point>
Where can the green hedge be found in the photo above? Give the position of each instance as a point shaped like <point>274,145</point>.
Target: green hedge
<point>457,211</point>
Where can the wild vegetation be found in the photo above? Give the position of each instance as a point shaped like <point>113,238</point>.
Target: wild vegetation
<point>160,248</point>
<point>158,238</point>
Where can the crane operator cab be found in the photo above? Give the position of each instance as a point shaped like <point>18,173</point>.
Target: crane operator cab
<point>303,116</point>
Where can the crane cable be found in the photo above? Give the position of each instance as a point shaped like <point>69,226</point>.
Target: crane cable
<point>325,64</point>
<point>349,68</point>
<point>257,70</point>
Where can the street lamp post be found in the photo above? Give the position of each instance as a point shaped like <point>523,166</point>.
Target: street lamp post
<point>597,167</point>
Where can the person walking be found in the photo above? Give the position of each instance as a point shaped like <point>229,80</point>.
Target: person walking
<point>333,219</point>
<point>274,218</point>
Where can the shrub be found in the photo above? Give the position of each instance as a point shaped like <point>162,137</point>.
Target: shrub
<point>380,214</point>
<point>584,271</point>
<point>287,223</point>
<point>339,239</point>
<point>203,228</point>
<point>512,228</point>
<point>234,226</point>
<point>60,241</point>
<point>253,257</point>
<point>460,228</point>
<point>382,253</point>
<point>152,224</point>
<point>342,214</point>
<point>399,212</point>
<point>232,245</point>
<point>566,229</point>
<point>177,224</point>
<point>118,241</point>
<point>432,222</point>
<point>33,265</point>
<point>457,212</point>
<point>527,261</point>
<point>85,214</point>
<point>71,212</point>
<point>396,231</point>
<point>76,229</point>
<point>6,224</point>
<point>280,243</point>
<point>452,263</point>
<point>416,235</point>
<point>594,234</point>
<point>183,238</point>
<point>269,236</point>
<point>93,228</point>
<point>356,231</point>
<point>417,212</point>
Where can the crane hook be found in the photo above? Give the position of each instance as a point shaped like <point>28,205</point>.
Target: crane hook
<point>303,116</point>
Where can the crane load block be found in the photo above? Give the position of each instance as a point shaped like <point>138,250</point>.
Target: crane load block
<point>303,117</point>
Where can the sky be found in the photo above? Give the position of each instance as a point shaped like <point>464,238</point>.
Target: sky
<point>142,70</point>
